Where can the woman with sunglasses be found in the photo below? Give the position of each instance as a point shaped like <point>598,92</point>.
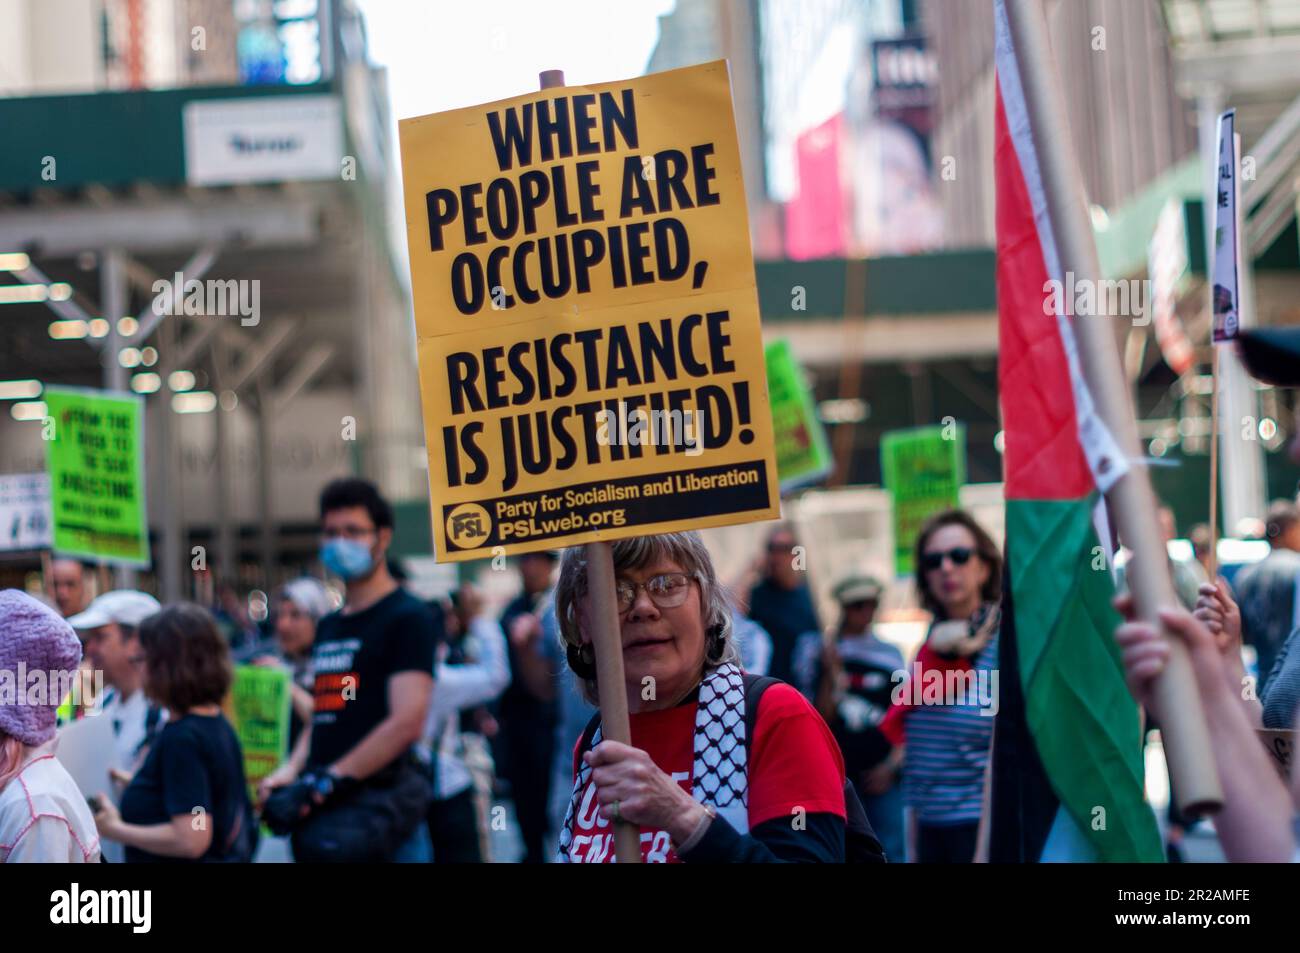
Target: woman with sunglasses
<point>698,790</point>
<point>946,752</point>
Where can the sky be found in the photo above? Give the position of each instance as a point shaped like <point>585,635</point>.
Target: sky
<point>445,54</point>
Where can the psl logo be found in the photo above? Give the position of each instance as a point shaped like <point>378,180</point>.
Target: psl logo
<point>468,526</point>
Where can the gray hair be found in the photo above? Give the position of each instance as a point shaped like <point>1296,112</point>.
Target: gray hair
<point>686,550</point>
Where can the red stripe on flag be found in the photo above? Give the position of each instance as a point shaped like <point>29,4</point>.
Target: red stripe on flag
<point>1042,456</point>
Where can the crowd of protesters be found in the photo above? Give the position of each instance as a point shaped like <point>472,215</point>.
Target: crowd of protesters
<point>412,723</point>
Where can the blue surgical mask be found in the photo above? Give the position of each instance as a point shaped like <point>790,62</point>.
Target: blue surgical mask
<point>347,558</point>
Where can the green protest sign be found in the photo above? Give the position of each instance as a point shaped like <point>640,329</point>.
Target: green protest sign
<point>924,470</point>
<point>259,711</point>
<point>95,458</point>
<point>802,454</point>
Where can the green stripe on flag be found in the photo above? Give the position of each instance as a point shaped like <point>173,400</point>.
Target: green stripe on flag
<point>1083,720</point>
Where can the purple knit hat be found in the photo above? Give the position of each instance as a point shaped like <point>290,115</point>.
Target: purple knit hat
<point>34,640</point>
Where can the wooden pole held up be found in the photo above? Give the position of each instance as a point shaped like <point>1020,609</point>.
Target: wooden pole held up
<point>607,640</point>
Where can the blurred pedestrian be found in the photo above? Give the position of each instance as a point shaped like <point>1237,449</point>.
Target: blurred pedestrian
<point>234,621</point>
<point>946,753</point>
<point>68,586</point>
<point>110,629</point>
<point>574,713</point>
<point>353,788</point>
<point>753,643</point>
<point>781,603</point>
<point>69,591</point>
<point>473,670</point>
<point>43,816</point>
<point>299,608</point>
<point>1187,575</point>
<point>854,685</point>
<point>189,800</point>
<point>1269,591</point>
<point>529,708</point>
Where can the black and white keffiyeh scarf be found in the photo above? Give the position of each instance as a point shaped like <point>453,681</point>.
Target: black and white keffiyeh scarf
<point>719,775</point>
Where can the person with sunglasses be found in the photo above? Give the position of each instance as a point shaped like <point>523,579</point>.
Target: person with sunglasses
<point>946,744</point>
<point>696,785</point>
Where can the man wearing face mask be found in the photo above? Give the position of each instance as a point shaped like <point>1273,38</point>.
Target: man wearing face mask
<point>352,789</point>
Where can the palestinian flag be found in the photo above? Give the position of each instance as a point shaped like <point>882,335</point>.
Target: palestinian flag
<point>1067,758</point>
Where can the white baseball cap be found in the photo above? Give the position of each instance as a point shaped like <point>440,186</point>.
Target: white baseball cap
<point>123,606</point>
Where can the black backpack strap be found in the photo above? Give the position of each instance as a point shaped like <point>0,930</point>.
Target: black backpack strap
<point>861,844</point>
<point>755,685</point>
<point>588,733</point>
<point>584,743</point>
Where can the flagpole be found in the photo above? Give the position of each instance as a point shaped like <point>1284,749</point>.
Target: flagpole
<point>1176,700</point>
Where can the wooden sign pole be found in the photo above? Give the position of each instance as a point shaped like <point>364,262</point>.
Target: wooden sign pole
<point>606,639</point>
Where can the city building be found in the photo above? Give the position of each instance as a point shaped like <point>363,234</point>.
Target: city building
<point>247,147</point>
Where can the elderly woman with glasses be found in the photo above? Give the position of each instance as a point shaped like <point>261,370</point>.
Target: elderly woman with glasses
<point>698,787</point>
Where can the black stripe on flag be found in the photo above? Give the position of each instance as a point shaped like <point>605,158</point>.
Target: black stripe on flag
<point>1023,803</point>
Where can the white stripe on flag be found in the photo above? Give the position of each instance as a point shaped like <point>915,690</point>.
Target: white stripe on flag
<point>1094,437</point>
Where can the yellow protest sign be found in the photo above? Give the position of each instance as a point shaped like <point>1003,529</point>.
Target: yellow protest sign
<point>591,365</point>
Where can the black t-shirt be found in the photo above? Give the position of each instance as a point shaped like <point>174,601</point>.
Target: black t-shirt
<point>195,762</point>
<point>353,658</point>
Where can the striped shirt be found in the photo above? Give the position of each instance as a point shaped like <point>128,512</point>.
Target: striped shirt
<point>948,749</point>
<point>1280,696</point>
